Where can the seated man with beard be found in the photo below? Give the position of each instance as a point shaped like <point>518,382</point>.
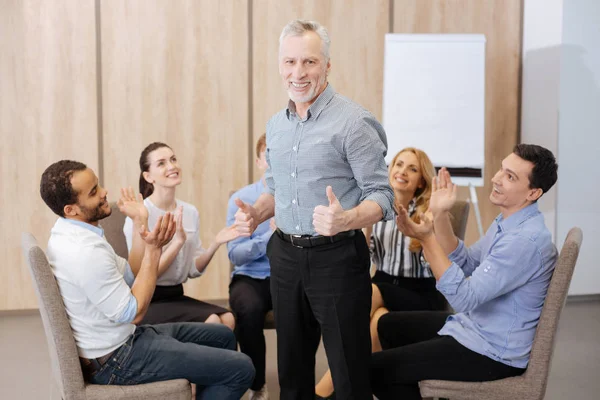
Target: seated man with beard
<point>104,302</point>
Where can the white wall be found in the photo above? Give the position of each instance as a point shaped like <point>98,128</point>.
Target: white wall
<point>561,111</point>
<point>578,200</point>
<point>542,37</point>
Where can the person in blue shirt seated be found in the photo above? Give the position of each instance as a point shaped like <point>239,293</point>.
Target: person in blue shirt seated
<point>249,293</point>
<point>497,286</point>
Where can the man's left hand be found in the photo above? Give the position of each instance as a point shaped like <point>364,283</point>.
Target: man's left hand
<point>330,220</point>
<point>410,228</point>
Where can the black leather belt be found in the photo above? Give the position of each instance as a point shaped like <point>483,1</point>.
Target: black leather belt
<point>91,365</point>
<point>312,241</point>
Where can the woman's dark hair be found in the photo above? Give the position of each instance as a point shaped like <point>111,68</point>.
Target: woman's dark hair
<point>55,186</point>
<point>146,188</point>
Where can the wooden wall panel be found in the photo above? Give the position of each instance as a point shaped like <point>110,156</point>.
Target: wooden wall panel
<point>500,21</point>
<point>47,113</point>
<point>356,29</point>
<point>177,72</point>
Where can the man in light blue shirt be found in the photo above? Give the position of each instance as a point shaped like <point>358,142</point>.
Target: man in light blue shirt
<point>249,293</point>
<point>497,286</point>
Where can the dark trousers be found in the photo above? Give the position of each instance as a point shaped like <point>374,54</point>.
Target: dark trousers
<point>323,290</point>
<point>409,294</point>
<point>250,300</point>
<point>413,351</point>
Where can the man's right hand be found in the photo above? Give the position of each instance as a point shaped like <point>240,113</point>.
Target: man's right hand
<point>246,218</point>
<point>162,233</point>
<point>443,195</point>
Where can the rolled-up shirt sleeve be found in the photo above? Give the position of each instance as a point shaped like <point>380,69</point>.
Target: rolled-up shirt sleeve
<point>366,147</point>
<point>467,258</point>
<point>510,265</point>
<point>244,250</point>
<point>131,310</point>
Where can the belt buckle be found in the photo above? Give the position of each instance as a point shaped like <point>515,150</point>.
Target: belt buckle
<point>292,241</point>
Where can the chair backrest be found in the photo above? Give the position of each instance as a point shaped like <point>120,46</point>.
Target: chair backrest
<point>543,343</point>
<point>113,230</point>
<point>61,345</point>
<point>460,215</point>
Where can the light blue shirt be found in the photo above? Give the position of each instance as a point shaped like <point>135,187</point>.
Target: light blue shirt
<point>131,310</point>
<point>249,254</point>
<point>498,287</point>
<point>338,144</point>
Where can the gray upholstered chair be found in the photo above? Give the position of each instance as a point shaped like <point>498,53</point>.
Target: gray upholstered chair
<point>113,231</point>
<point>532,384</point>
<point>63,351</point>
<point>460,215</point>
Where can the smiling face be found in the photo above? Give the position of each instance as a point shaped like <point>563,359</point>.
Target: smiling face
<point>163,170</point>
<point>511,187</point>
<point>92,203</point>
<point>303,67</point>
<point>405,174</point>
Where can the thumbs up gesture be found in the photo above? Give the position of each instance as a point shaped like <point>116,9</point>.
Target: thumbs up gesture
<point>332,219</point>
<point>246,218</point>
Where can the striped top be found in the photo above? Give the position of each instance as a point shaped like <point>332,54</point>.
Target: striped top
<point>390,254</point>
<point>339,144</point>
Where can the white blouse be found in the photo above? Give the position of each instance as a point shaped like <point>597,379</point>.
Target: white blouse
<point>184,264</point>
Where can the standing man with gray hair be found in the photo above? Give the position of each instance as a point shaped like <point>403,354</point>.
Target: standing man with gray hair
<point>326,180</point>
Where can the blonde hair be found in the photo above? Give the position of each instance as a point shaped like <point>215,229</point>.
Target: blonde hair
<point>422,194</point>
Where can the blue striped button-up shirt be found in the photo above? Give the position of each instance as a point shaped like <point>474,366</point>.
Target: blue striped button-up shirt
<point>498,286</point>
<point>338,144</point>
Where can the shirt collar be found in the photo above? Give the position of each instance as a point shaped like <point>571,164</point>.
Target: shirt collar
<point>316,107</point>
<point>517,218</point>
<point>96,229</point>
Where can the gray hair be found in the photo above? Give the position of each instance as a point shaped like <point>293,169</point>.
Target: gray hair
<point>298,27</point>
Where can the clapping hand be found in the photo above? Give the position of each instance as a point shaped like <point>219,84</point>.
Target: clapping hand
<point>161,234</point>
<point>412,229</point>
<point>180,235</point>
<point>227,234</point>
<point>443,195</point>
<point>132,206</point>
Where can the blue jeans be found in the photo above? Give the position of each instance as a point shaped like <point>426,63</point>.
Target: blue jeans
<point>204,354</point>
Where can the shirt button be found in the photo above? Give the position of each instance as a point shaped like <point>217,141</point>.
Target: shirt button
<point>294,201</point>
<point>294,148</point>
<point>297,227</point>
<point>293,174</point>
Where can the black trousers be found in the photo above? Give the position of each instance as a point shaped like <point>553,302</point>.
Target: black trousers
<point>250,300</point>
<point>323,290</point>
<point>413,351</point>
<point>170,305</point>
<point>409,294</point>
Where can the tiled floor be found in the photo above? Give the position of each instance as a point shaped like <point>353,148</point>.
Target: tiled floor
<point>26,374</point>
